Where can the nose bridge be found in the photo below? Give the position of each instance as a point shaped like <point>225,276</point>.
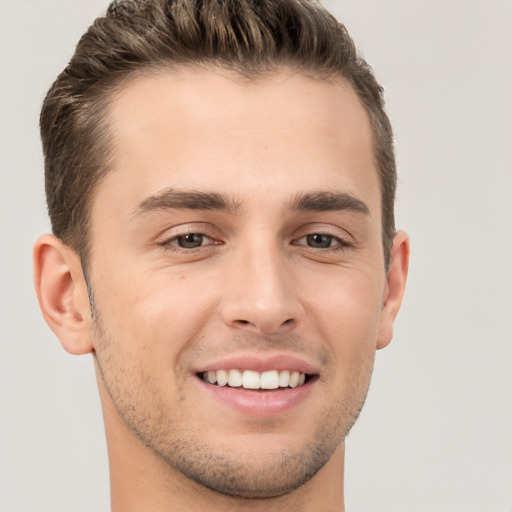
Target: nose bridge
<point>261,294</point>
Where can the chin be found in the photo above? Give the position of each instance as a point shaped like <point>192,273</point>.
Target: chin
<point>271,476</point>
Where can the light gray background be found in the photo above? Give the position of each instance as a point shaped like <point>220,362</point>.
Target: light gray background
<point>436,432</point>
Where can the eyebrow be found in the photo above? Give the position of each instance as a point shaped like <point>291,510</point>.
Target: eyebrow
<point>215,201</point>
<point>187,200</point>
<point>328,201</point>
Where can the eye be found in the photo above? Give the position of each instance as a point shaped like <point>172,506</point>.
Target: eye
<point>319,241</point>
<point>322,241</point>
<point>190,240</point>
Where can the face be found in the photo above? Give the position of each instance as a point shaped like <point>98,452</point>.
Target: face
<point>237,273</point>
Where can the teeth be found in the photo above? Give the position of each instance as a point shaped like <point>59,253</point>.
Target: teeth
<point>284,379</point>
<point>270,380</point>
<point>222,377</point>
<point>250,379</point>
<point>235,378</point>
<point>294,379</point>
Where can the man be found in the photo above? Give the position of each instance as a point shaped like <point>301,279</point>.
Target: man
<point>220,179</point>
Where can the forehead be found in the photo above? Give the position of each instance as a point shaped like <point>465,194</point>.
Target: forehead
<point>211,129</point>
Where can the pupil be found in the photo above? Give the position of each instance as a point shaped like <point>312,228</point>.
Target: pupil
<point>190,241</point>
<point>321,241</point>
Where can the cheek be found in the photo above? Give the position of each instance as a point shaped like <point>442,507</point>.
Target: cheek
<point>153,316</point>
<point>348,313</point>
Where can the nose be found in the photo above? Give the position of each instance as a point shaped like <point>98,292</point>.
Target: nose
<point>260,294</point>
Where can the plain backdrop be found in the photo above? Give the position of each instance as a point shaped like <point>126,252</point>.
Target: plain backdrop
<point>436,431</point>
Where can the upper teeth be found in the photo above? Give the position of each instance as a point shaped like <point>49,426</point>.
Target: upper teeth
<point>250,379</point>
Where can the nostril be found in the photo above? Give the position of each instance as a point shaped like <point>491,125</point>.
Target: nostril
<point>264,324</point>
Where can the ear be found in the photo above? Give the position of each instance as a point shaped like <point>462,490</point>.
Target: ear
<point>62,293</point>
<point>395,287</point>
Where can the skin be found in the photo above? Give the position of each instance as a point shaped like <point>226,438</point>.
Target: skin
<point>255,285</point>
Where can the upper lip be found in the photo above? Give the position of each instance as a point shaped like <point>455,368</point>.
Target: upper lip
<point>260,363</point>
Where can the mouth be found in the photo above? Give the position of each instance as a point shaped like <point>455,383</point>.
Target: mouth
<point>259,385</point>
<point>269,380</point>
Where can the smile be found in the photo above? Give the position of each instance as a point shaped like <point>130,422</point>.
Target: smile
<point>250,379</point>
<point>255,384</point>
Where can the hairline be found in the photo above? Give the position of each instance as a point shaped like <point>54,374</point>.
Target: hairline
<point>106,92</point>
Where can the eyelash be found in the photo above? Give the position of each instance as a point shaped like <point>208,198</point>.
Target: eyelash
<point>169,244</point>
<point>341,243</point>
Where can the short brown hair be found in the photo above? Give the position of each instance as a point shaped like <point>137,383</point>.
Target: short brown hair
<point>250,37</point>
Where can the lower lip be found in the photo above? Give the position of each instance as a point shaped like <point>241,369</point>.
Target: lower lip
<point>259,403</point>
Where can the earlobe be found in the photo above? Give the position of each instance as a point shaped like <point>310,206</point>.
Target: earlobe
<point>395,287</point>
<point>62,293</point>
